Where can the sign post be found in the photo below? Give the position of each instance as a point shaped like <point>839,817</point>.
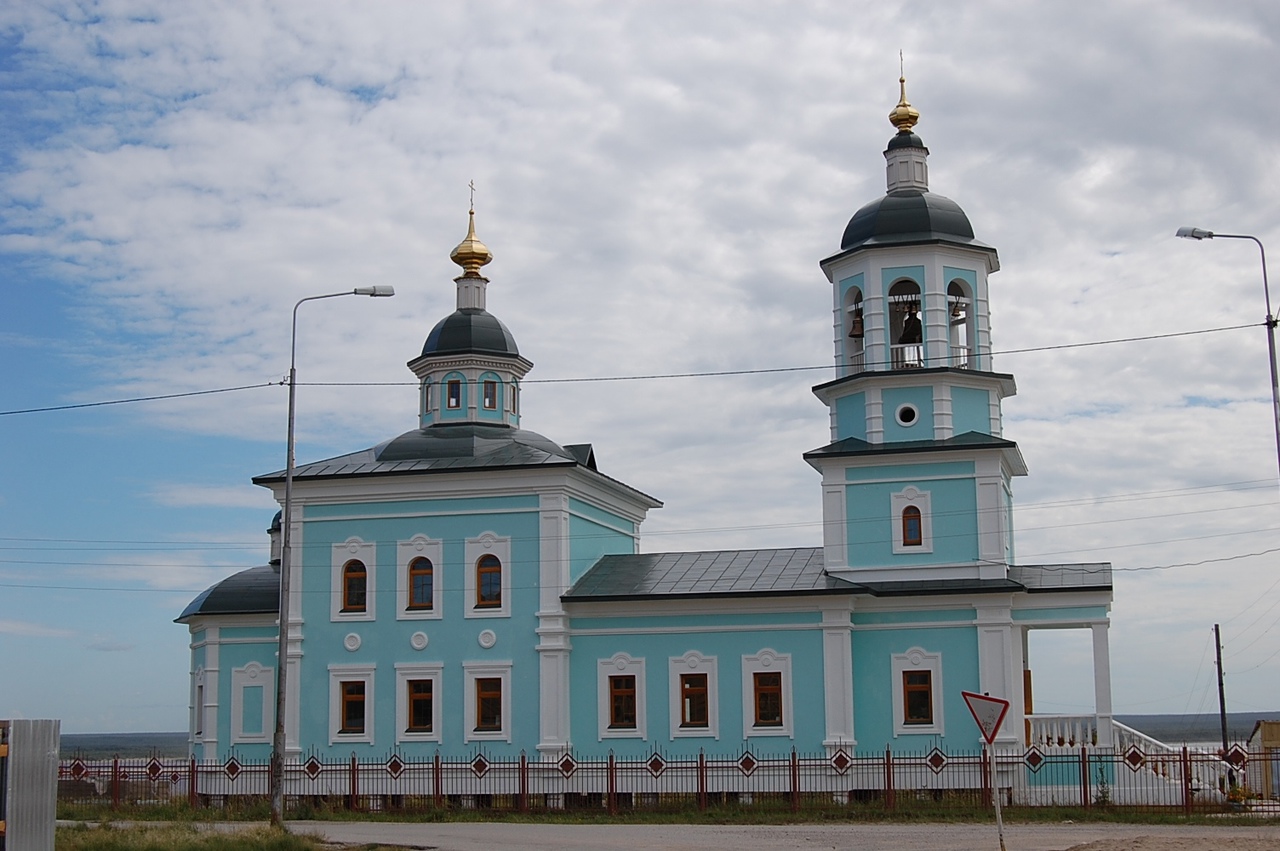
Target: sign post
<point>989,713</point>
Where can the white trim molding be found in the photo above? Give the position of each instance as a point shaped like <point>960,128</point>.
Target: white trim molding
<point>250,676</point>
<point>487,544</point>
<point>620,664</point>
<point>367,553</point>
<point>339,674</point>
<point>899,501</point>
<point>472,671</point>
<point>766,661</point>
<point>405,673</point>
<point>917,659</point>
<point>419,546</point>
<point>693,662</point>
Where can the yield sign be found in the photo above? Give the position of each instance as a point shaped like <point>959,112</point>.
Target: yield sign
<point>987,711</point>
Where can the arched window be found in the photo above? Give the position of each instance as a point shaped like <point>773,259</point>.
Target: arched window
<point>854,329</point>
<point>421,582</point>
<point>906,332</point>
<point>488,582</point>
<point>354,586</point>
<point>960,332</point>
<point>912,527</point>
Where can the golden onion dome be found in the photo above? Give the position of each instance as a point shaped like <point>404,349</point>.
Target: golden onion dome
<point>471,253</point>
<point>904,116</point>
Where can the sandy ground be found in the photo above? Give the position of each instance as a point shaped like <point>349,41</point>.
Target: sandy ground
<point>868,837</point>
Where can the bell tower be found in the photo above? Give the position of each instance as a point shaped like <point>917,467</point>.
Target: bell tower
<point>916,479</point>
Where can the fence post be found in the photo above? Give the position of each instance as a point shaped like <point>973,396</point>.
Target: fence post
<point>795,782</point>
<point>1086,800</point>
<point>702,779</point>
<point>613,786</point>
<point>890,799</point>
<point>988,794</point>
<point>351,782</point>
<point>437,778</point>
<point>1186,780</point>
<point>193,797</point>
<point>115,783</point>
<point>524,783</point>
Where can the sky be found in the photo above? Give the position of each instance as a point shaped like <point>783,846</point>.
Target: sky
<point>657,182</point>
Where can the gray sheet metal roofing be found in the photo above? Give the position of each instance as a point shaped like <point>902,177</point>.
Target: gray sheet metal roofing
<point>851,446</point>
<point>249,592</point>
<point>747,572</point>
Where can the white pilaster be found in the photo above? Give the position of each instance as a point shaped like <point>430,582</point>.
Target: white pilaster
<point>553,624</point>
<point>943,414</point>
<point>835,546</point>
<point>996,674</point>
<point>1102,682</point>
<point>837,674</point>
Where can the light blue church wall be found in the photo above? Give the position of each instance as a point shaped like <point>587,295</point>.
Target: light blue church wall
<point>921,398</point>
<point>459,413</point>
<point>869,507</point>
<point>970,410</point>
<point>851,416</point>
<point>657,640</point>
<point>238,647</point>
<point>452,638</point>
<point>874,684</point>
<point>494,414</point>
<point>968,276</point>
<point>892,274</point>
<point>594,532</point>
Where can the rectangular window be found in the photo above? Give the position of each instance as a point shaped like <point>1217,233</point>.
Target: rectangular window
<point>420,706</point>
<point>622,702</point>
<point>352,707</point>
<point>917,697</point>
<point>488,703</point>
<point>693,700</point>
<point>200,710</point>
<point>768,698</point>
<point>454,390</point>
<point>491,395</point>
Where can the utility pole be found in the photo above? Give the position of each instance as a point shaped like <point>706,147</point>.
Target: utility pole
<point>1222,694</point>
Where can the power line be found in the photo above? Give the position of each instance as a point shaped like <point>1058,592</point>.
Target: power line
<point>140,399</point>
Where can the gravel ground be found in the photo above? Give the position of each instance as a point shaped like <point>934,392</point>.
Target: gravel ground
<point>860,837</point>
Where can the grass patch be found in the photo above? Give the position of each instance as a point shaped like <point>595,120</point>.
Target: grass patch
<point>182,837</point>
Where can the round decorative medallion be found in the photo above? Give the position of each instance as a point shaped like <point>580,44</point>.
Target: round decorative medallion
<point>419,545</point>
<point>915,657</point>
<point>487,638</point>
<point>351,642</point>
<point>766,660</point>
<point>418,641</point>
<point>620,663</point>
<point>353,547</point>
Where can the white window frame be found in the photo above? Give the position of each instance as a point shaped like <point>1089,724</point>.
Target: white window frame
<point>921,500</point>
<point>472,671</point>
<point>693,662</point>
<point>419,546</point>
<point>620,664</point>
<point>768,661</point>
<point>404,673</point>
<point>917,659</point>
<point>367,553</point>
<point>250,676</point>
<point>339,674</point>
<point>487,544</point>
<point>197,703</point>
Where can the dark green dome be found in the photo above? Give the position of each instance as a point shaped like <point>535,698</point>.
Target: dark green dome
<point>908,217</point>
<point>470,330</point>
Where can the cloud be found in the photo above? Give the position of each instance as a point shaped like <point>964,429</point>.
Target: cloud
<point>195,496</point>
<point>32,630</point>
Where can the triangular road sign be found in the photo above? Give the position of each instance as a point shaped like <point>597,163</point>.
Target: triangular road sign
<point>988,711</point>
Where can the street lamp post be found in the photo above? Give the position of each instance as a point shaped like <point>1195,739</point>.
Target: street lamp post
<point>1199,233</point>
<point>286,520</point>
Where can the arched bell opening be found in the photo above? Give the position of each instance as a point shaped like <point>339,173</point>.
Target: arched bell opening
<point>855,330</point>
<point>906,333</point>
<point>960,330</point>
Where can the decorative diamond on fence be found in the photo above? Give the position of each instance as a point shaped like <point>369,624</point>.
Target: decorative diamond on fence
<point>175,778</point>
<point>232,768</point>
<point>1135,758</point>
<point>395,766</point>
<point>840,761</point>
<point>313,768</point>
<point>747,764</point>
<point>936,760</point>
<point>154,769</point>
<point>79,770</point>
<point>567,766</point>
<point>1033,759</point>
<point>1237,756</point>
<point>479,765</point>
<point>656,765</point>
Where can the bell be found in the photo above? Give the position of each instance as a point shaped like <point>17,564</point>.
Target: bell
<point>957,310</point>
<point>855,329</point>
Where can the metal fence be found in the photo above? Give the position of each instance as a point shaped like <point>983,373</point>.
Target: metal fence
<point>1190,781</point>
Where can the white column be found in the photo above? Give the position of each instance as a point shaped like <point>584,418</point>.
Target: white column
<point>996,656</point>
<point>837,674</point>
<point>1102,682</point>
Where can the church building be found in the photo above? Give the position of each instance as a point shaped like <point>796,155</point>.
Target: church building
<point>472,587</point>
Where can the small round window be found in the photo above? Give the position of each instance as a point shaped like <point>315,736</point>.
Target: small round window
<point>907,415</point>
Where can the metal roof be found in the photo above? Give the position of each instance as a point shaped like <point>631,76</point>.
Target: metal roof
<point>249,592</point>
<point>470,330</point>
<point>852,446</point>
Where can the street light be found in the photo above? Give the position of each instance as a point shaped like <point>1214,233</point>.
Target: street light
<point>1200,233</point>
<point>286,520</point>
